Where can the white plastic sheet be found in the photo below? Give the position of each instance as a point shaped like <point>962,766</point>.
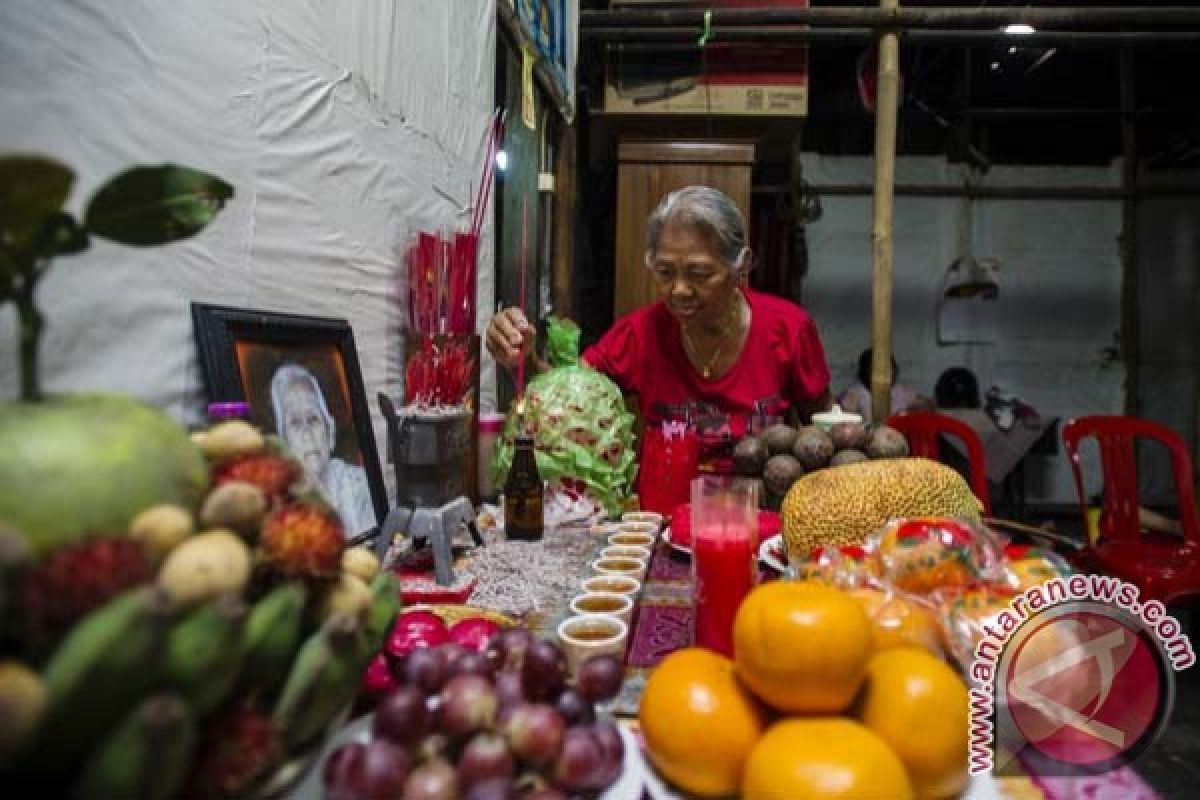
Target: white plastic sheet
<point>342,126</point>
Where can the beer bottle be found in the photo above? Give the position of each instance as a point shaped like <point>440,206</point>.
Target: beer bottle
<point>523,494</point>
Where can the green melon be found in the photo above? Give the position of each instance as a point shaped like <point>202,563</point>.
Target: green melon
<point>76,465</point>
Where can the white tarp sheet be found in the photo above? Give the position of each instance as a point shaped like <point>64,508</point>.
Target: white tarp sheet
<point>342,126</point>
<point>1059,304</point>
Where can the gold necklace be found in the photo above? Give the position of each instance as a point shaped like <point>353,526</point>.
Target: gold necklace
<point>706,367</point>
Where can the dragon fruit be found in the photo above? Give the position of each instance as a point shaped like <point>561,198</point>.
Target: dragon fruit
<point>581,427</point>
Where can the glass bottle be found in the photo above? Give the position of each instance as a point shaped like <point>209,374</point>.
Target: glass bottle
<point>219,412</point>
<point>523,494</point>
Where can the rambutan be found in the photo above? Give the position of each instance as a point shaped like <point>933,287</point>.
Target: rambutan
<point>76,579</point>
<point>273,475</point>
<point>240,747</point>
<point>302,541</point>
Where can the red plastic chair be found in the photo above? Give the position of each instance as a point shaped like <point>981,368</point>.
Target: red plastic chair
<point>922,429</point>
<point>1164,567</point>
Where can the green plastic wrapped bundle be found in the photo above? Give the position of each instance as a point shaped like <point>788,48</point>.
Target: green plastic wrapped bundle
<point>580,425</point>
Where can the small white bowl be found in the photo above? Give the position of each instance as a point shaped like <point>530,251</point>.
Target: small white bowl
<point>643,516</point>
<point>605,528</point>
<point>587,635</point>
<point>614,605</point>
<point>625,551</point>
<point>629,567</point>
<point>613,584</point>
<point>825,420</point>
<point>632,539</point>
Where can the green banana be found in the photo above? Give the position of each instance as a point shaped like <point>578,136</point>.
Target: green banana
<point>385,589</point>
<point>148,756</point>
<point>204,653</point>
<point>272,635</point>
<point>104,666</point>
<point>323,680</point>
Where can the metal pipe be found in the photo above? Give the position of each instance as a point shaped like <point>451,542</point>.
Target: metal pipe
<point>686,37</point>
<point>1072,19</point>
<point>1080,193</point>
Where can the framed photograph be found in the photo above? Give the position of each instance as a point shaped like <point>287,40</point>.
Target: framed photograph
<point>301,377</point>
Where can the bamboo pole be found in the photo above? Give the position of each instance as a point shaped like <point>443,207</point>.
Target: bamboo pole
<point>1130,278</point>
<point>881,229</point>
<point>1129,18</point>
<point>683,37</point>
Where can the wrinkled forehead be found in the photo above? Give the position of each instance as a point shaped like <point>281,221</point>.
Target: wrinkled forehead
<point>684,236</point>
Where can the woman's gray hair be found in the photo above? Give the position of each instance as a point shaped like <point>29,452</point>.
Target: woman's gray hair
<point>284,377</point>
<point>708,210</point>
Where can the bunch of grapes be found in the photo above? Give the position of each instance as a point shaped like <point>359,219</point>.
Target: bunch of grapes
<point>499,723</point>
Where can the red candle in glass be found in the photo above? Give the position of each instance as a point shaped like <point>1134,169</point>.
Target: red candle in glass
<point>724,554</point>
<point>670,457</point>
<point>724,573</point>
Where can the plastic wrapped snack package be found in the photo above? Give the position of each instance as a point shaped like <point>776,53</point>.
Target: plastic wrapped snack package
<point>924,554</point>
<point>1025,567</point>
<point>581,427</point>
<point>899,619</point>
<point>846,566</point>
<point>964,613</point>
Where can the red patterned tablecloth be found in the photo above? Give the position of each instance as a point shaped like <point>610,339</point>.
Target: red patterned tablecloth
<point>663,625</point>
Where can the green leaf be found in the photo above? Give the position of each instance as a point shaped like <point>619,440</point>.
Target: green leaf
<point>147,206</point>
<point>60,236</point>
<point>32,189</point>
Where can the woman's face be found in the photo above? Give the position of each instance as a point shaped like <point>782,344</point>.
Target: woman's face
<point>304,428</point>
<point>692,280</point>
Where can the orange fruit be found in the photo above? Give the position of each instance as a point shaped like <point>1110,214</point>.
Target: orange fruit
<point>827,757</point>
<point>698,722</point>
<point>897,621</point>
<point>918,705</point>
<point>802,647</point>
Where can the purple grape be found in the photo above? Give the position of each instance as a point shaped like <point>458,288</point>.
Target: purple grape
<point>403,716</point>
<point>535,733</point>
<point>588,761</point>
<point>377,770</point>
<point>506,650</point>
<point>486,757</point>
<point>544,672</point>
<point>510,691</point>
<point>613,748</point>
<point>599,678</point>
<point>472,662</point>
<point>495,789</point>
<point>426,669</point>
<point>451,653</point>
<point>574,708</point>
<point>547,793</point>
<point>433,780</point>
<point>466,704</point>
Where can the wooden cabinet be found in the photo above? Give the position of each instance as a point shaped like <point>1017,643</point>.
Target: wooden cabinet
<point>646,172</point>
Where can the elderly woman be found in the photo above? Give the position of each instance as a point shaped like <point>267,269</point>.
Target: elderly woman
<point>303,420</point>
<point>710,350</point>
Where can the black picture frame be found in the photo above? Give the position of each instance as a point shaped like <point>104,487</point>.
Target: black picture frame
<point>229,339</point>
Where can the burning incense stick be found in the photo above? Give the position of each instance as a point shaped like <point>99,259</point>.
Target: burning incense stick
<point>521,300</point>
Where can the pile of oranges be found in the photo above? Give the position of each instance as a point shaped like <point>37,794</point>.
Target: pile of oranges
<point>815,703</point>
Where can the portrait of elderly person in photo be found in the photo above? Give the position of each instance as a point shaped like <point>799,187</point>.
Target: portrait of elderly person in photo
<point>303,420</point>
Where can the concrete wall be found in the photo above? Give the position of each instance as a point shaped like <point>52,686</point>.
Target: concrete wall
<point>1059,303</point>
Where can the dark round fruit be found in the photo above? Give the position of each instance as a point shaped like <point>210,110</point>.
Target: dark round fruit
<point>466,704</point>
<point>575,709</point>
<point>585,761</point>
<point>599,678</point>
<point>426,669</point>
<point>377,770</point>
<point>433,780</point>
<point>403,716</point>
<point>510,690</point>
<point>495,789</point>
<point>506,650</point>
<point>486,757</point>
<point>451,652</point>
<point>544,672</point>
<point>472,662</point>
<point>535,733</point>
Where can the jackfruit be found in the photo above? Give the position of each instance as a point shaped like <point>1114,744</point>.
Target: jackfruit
<point>844,505</point>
